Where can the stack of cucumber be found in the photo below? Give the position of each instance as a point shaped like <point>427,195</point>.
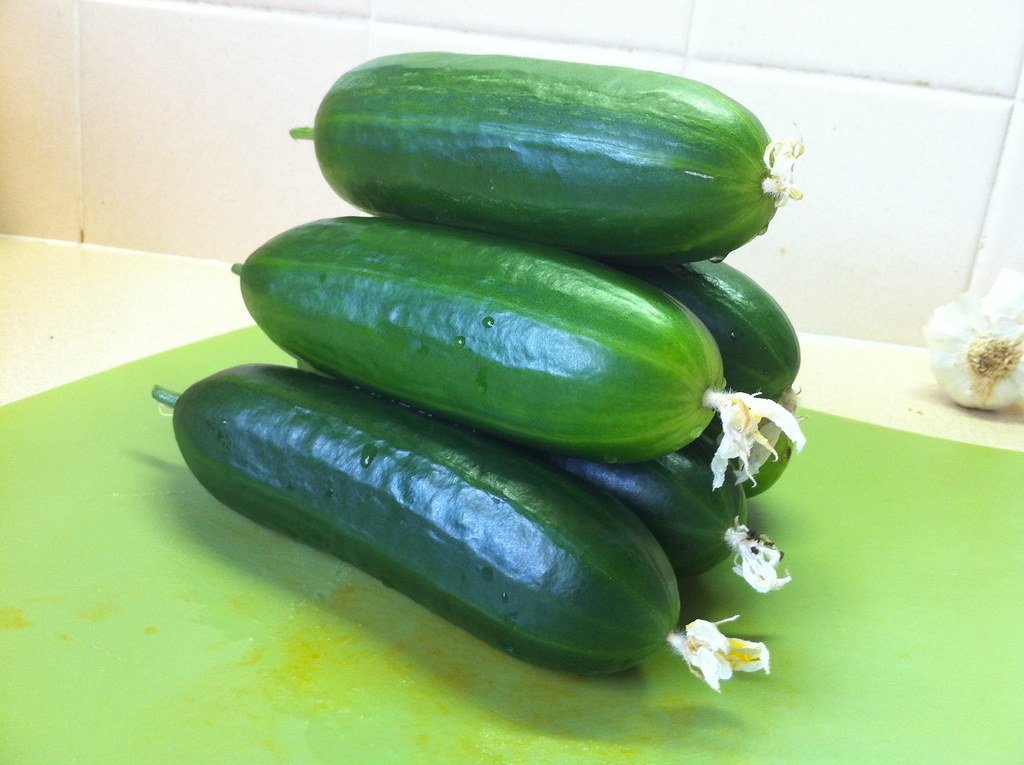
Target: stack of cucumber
<point>511,372</point>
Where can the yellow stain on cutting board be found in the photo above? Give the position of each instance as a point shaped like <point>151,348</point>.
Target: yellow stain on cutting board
<point>97,612</point>
<point>13,619</point>
<point>316,656</point>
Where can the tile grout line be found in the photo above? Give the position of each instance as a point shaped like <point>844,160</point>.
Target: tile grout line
<point>533,38</point>
<point>371,29</point>
<point>1015,105</point>
<point>687,56</point>
<point>859,78</point>
<point>113,248</point>
<point>688,52</point>
<point>999,174</point>
<point>80,179</point>
<point>213,6</point>
<point>1020,81</point>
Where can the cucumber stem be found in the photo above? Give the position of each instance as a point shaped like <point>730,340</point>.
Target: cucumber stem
<point>165,397</point>
<point>236,269</point>
<point>301,133</point>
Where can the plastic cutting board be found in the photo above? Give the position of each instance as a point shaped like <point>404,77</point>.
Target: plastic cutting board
<point>141,621</point>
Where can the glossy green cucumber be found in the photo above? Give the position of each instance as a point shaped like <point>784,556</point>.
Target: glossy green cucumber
<point>672,495</point>
<point>533,344</point>
<point>759,346</point>
<point>615,163</point>
<point>499,543</point>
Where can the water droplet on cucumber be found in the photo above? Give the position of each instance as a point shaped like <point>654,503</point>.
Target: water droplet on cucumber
<point>369,452</point>
<point>488,321</point>
<point>460,342</point>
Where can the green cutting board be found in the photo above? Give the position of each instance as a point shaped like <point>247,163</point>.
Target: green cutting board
<point>142,622</point>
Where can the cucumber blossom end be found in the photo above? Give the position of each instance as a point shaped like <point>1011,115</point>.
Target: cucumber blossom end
<point>780,157</point>
<point>741,415</point>
<point>713,657</point>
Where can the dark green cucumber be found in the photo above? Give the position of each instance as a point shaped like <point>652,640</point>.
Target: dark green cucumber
<point>536,345</point>
<point>672,495</point>
<point>499,543</point>
<point>615,163</point>
<point>759,346</point>
<point>673,498</point>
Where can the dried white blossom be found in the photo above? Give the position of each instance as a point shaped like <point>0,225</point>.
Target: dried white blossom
<point>742,414</point>
<point>759,452</point>
<point>780,158</point>
<point>977,345</point>
<point>713,657</point>
<point>756,558</point>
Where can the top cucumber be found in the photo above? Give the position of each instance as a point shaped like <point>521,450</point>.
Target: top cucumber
<point>619,164</point>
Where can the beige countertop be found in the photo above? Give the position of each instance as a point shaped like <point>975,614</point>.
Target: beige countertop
<point>70,310</point>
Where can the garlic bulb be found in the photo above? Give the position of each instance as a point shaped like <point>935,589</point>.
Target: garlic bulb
<point>977,345</point>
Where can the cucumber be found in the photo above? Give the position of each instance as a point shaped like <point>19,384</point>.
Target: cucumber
<point>673,498</point>
<point>759,347</point>
<point>533,344</point>
<point>672,495</point>
<point>499,543</point>
<point>619,164</point>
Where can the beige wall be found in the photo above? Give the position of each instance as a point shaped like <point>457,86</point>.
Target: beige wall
<point>162,126</point>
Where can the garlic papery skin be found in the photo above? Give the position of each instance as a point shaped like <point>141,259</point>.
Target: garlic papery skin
<point>976,347</point>
<point>713,657</point>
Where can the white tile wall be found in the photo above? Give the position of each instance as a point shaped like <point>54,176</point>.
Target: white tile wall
<point>185,119</point>
<point>896,181</point>
<point>646,24</point>
<point>1002,243</point>
<point>387,39</point>
<point>40,188</point>
<point>326,7</point>
<point>176,140</point>
<point>976,46</point>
